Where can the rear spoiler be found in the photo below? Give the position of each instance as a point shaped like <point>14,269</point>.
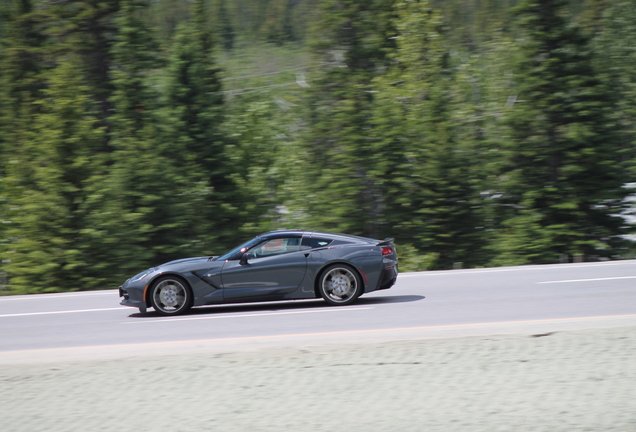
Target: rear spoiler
<point>386,242</point>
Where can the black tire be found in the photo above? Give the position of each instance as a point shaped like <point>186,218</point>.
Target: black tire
<point>339,285</point>
<point>170,295</point>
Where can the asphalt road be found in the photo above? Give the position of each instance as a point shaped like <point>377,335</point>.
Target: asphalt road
<point>535,349</point>
<point>421,305</point>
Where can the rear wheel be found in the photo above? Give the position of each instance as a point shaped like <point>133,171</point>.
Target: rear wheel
<point>170,295</point>
<point>339,285</point>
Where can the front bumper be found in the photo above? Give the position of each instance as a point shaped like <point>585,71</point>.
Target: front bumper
<point>132,298</point>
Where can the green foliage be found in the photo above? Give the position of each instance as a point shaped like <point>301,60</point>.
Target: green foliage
<point>428,194</point>
<point>194,97</point>
<point>166,15</point>
<point>133,133</point>
<point>413,260</point>
<point>264,124</point>
<point>240,22</point>
<point>344,194</point>
<point>135,54</point>
<point>264,161</point>
<point>193,117</point>
<point>21,81</point>
<point>21,85</point>
<point>562,177</point>
<point>615,48</point>
<point>149,190</point>
<point>87,29</point>
<point>48,215</point>
<point>224,28</point>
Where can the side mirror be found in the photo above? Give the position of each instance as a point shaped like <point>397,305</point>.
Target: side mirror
<point>244,258</point>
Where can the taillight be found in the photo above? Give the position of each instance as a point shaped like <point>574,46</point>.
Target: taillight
<point>387,250</point>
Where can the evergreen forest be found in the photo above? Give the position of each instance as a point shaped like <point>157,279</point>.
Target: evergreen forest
<point>474,132</point>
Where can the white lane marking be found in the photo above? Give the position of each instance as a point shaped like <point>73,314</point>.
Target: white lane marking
<point>588,280</point>
<point>51,296</point>
<point>60,312</point>
<point>246,315</point>
<point>512,269</point>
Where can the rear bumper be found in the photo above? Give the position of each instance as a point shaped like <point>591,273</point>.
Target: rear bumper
<point>388,277</point>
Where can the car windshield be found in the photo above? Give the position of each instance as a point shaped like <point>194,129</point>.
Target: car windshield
<point>238,249</point>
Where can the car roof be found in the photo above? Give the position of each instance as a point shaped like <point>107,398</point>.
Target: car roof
<point>310,233</point>
<point>283,233</point>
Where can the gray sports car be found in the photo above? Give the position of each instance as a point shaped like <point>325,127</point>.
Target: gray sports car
<point>279,265</point>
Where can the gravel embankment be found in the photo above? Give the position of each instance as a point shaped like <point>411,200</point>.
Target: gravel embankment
<point>582,380</point>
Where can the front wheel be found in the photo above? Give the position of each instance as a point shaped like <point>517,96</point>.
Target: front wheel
<point>339,285</point>
<point>170,295</point>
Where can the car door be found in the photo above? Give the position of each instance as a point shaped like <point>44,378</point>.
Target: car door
<point>274,271</point>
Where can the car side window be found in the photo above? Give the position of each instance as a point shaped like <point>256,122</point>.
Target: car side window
<point>315,242</point>
<point>276,246</point>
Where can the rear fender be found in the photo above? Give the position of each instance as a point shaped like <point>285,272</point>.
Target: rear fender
<point>357,270</point>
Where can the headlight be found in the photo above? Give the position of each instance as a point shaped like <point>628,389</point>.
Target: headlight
<point>142,275</point>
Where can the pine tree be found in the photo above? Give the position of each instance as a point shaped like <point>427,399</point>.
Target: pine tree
<point>429,196</point>
<point>135,55</point>
<point>344,195</point>
<point>277,27</point>
<point>21,78</point>
<point>21,85</point>
<point>264,161</point>
<point>224,26</point>
<point>485,91</point>
<point>194,94</point>
<point>86,28</point>
<point>615,48</point>
<point>47,251</point>
<point>194,118</point>
<point>151,211</point>
<point>563,178</point>
<point>591,17</point>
